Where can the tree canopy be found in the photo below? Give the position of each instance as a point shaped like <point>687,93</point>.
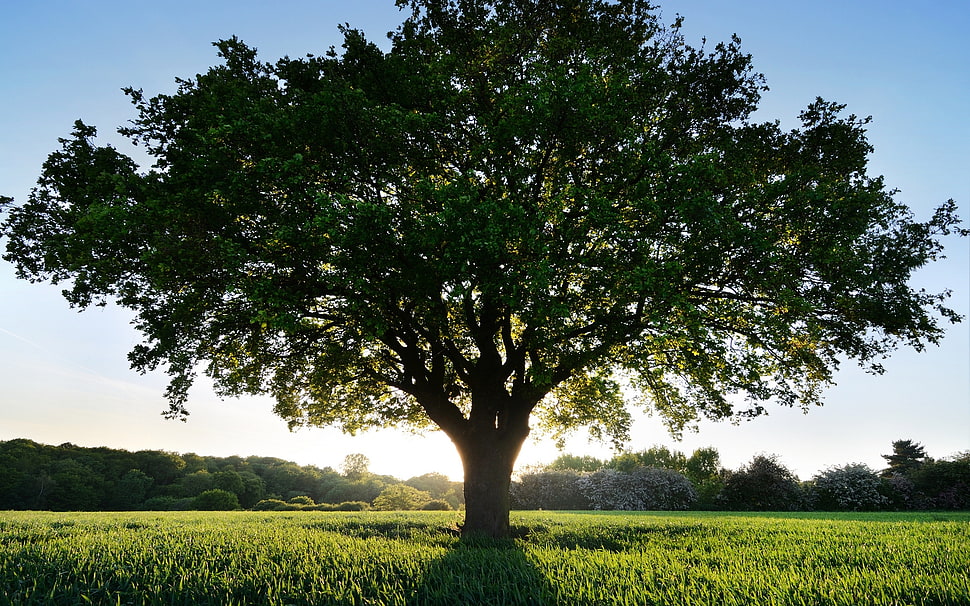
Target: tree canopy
<point>518,209</point>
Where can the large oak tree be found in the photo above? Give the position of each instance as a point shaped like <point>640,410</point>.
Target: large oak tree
<point>524,209</point>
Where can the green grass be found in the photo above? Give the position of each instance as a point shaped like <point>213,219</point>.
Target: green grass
<point>304,558</point>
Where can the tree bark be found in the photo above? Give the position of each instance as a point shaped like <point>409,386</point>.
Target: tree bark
<point>488,456</point>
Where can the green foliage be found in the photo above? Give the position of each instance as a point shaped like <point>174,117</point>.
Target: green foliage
<point>550,489</point>
<point>437,505</point>
<point>907,457</point>
<point>440,487</point>
<point>216,500</point>
<point>945,483</point>
<point>764,484</point>
<point>394,559</point>
<point>355,466</point>
<point>575,463</point>
<point>660,457</point>
<point>401,497</point>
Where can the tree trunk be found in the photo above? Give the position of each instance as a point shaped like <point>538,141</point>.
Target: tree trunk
<point>488,457</point>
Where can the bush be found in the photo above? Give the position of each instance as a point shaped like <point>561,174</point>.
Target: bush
<point>167,504</point>
<point>352,506</point>
<point>401,497</point>
<point>554,490</point>
<point>852,487</point>
<point>436,505</point>
<point>301,500</point>
<point>270,505</point>
<point>643,489</point>
<point>763,485</point>
<point>217,499</point>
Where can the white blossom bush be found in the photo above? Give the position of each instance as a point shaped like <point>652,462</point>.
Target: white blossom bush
<point>852,487</point>
<point>645,488</point>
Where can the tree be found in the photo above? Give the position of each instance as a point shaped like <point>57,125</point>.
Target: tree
<point>355,466</point>
<point>554,489</point>
<point>575,463</point>
<point>510,213</point>
<point>216,499</point>
<point>131,489</point>
<point>658,456</point>
<point>764,484</point>
<point>907,457</point>
<point>401,497</point>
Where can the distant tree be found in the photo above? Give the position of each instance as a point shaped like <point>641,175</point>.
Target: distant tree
<point>216,500</point>
<point>401,497</point>
<point>440,487</point>
<point>131,490</point>
<point>195,483</point>
<point>658,456</point>
<point>229,480</point>
<point>552,489</point>
<point>365,490</point>
<point>74,487</point>
<point>906,458</point>
<point>703,464</point>
<point>945,484</point>
<point>703,469</point>
<point>575,463</point>
<point>163,467</point>
<point>355,466</point>
<point>852,487</point>
<point>764,484</point>
<point>254,489</point>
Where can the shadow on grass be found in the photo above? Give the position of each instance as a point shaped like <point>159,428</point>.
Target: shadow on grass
<point>483,572</point>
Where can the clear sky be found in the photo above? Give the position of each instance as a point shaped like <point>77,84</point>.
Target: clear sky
<point>64,376</point>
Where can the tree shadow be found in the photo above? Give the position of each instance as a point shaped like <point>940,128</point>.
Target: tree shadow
<point>483,572</point>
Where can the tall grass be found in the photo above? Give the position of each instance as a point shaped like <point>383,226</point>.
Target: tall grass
<point>304,558</point>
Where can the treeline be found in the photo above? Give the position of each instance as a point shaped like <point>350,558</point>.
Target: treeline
<point>664,479</point>
<point>74,478</point>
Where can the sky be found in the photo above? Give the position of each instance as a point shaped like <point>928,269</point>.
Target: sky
<point>64,375</point>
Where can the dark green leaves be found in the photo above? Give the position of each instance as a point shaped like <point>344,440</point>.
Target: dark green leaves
<point>518,199</point>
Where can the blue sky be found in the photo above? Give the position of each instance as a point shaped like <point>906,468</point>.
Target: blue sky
<point>64,376</point>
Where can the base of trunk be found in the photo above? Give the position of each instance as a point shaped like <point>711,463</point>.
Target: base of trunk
<point>488,476</point>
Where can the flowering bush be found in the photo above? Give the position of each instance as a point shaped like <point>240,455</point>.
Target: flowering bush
<point>645,488</point>
<point>853,487</point>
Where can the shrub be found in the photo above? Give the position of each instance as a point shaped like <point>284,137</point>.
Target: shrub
<point>852,487</point>
<point>401,497</point>
<point>301,500</point>
<point>763,485</point>
<point>270,505</point>
<point>166,504</point>
<point>216,499</point>
<point>555,490</point>
<point>352,506</point>
<point>436,505</point>
<point>643,489</point>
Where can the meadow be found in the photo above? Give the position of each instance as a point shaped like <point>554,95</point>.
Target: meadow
<point>304,558</point>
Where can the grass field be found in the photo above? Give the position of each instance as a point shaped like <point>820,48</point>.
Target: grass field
<point>304,558</point>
